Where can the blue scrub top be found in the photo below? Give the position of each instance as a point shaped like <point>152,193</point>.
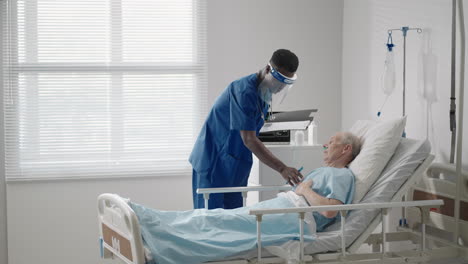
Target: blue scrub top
<point>239,107</point>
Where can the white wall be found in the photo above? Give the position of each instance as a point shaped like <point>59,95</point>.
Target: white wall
<point>56,222</point>
<point>243,35</point>
<point>364,35</point>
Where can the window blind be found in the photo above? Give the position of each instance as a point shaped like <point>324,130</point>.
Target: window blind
<point>102,88</point>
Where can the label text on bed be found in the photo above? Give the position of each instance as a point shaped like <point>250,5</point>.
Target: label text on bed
<point>116,244</point>
<point>119,243</point>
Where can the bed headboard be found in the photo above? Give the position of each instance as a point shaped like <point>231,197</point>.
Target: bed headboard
<point>119,230</point>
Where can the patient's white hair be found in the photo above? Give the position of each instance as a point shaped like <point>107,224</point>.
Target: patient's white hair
<point>354,141</point>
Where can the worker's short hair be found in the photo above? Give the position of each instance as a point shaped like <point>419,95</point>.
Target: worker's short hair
<point>285,59</point>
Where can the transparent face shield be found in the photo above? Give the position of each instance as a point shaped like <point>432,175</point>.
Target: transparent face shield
<point>280,84</point>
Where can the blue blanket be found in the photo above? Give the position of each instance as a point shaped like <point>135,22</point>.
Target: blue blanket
<point>201,235</point>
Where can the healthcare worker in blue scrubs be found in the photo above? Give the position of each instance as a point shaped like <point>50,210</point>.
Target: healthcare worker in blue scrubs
<point>222,154</point>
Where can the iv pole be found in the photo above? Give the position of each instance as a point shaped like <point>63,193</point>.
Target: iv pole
<point>405,31</point>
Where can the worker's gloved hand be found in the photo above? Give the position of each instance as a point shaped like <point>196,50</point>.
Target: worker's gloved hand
<point>291,175</point>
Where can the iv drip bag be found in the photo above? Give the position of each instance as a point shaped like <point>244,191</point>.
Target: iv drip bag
<point>389,77</point>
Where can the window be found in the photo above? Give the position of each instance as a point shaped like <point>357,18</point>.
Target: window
<point>102,88</point>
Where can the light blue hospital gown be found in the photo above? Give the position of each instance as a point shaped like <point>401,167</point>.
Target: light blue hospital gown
<point>334,183</point>
<point>201,235</point>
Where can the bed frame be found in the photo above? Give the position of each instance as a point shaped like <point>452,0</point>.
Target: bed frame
<point>449,219</point>
<point>121,238</point>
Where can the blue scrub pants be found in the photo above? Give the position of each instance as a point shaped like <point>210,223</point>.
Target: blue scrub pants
<point>217,200</point>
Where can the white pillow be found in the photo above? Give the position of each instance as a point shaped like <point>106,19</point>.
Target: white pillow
<point>361,127</point>
<point>380,140</point>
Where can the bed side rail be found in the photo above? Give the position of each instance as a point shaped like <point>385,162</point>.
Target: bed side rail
<point>424,205</point>
<point>119,230</point>
<point>437,180</point>
<point>443,182</point>
<point>438,168</point>
<point>207,191</point>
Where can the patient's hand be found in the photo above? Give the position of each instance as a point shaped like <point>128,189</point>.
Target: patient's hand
<point>304,187</point>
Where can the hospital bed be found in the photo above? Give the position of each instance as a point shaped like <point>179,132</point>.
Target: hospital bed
<point>121,238</point>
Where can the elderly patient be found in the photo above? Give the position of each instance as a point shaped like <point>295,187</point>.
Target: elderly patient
<point>333,184</point>
<point>201,235</point>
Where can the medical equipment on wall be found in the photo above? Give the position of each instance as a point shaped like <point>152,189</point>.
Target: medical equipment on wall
<point>387,80</point>
<point>427,79</point>
<point>427,69</point>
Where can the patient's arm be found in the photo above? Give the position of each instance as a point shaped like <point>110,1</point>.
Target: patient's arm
<point>313,198</point>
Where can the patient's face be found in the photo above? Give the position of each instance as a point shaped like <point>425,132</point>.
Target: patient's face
<point>334,149</point>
